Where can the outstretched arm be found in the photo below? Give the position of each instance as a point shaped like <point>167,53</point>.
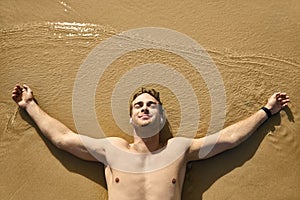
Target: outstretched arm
<point>60,135</point>
<point>235,134</point>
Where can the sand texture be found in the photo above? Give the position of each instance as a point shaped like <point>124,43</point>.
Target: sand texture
<point>255,46</point>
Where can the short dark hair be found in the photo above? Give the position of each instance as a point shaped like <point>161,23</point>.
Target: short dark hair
<point>143,90</point>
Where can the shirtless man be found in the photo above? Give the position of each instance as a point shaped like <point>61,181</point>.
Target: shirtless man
<point>127,166</point>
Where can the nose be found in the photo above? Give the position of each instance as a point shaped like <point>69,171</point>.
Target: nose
<point>145,109</point>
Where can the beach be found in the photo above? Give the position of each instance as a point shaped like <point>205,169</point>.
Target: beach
<point>253,47</point>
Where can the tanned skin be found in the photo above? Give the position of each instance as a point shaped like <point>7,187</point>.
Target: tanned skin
<point>165,182</point>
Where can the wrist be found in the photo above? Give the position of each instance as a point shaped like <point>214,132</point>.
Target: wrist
<point>271,108</point>
<point>267,111</point>
<point>29,104</point>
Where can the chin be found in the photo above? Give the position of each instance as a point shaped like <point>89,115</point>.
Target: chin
<point>142,124</point>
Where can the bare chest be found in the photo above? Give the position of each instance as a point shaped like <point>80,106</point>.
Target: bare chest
<point>165,182</point>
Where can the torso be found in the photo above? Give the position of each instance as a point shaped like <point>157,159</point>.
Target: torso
<point>150,177</point>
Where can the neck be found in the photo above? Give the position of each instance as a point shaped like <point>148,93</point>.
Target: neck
<point>146,145</point>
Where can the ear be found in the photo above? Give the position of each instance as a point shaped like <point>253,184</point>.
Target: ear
<point>163,117</point>
<point>130,120</point>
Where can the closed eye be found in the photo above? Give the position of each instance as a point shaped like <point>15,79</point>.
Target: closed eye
<point>138,104</point>
<point>151,104</point>
<point>148,104</point>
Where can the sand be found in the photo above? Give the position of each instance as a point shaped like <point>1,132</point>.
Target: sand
<point>254,45</point>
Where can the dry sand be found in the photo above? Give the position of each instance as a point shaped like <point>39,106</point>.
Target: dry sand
<point>254,44</point>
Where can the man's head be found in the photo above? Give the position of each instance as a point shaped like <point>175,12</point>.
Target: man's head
<point>146,107</point>
<point>143,90</point>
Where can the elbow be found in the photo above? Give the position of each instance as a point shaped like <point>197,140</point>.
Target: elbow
<point>229,141</point>
<point>66,141</point>
<point>233,141</point>
<point>61,142</point>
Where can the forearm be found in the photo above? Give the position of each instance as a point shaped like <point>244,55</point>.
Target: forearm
<point>237,133</point>
<point>50,127</point>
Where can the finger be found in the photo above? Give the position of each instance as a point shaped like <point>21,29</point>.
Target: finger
<point>14,97</point>
<point>285,101</point>
<point>283,94</point>
<point>284,105</point>
<point>276,94</point>
<point>18,87</point>
<point>280,96</point>
<point>27,88</point>
<point>17,90</point>
<point>281,100</point>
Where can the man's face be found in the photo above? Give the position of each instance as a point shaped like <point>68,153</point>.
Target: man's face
<point>145,110</point>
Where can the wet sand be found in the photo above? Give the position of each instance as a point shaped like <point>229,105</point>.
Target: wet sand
<point>255,46</point>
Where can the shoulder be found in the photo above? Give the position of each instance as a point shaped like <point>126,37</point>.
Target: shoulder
<point>102,143</point>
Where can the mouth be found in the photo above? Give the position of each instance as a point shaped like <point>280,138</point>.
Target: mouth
<point>144,116</point>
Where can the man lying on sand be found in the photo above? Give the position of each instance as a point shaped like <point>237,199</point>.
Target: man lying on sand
<point>147,118</point>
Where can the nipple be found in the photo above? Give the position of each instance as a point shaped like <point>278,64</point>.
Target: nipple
<point>174,180</point>
<point>117,180</point>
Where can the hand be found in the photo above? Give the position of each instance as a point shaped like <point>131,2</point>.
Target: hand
<point>22,96</point>
<point>277,102</point>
